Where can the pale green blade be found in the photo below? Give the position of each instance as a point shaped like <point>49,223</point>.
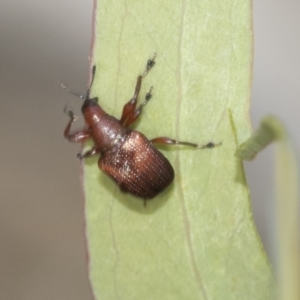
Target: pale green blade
<point>197,240</point>
<point>287,205</point>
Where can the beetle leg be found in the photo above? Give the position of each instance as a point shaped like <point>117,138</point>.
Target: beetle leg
<point>134,116</point>
<point>130,113</point>
<point>88,153</point>
<point>150,64</point>
<point>130,106</point>
<point>169,141</point>
<point>76,137</point>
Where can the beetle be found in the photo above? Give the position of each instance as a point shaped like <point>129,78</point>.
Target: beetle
<point>126,155</point>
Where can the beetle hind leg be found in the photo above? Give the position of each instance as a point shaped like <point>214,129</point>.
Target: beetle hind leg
<point>169,141</point>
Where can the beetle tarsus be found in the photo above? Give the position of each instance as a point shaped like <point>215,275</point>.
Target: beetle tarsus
<point>150,64</point>
<point>209,145</point>
<point>70,113</point>
<point>148,96</point>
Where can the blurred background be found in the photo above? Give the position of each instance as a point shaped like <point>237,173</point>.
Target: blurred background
<point>42,253</point>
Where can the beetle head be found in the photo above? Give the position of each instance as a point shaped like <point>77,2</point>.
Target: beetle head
<point>89,102</point>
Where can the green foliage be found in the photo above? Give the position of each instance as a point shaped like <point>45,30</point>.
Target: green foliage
<point>287,200</point>
<point>197,240</point>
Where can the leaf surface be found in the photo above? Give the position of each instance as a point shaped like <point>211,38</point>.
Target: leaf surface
<point>197,240</point>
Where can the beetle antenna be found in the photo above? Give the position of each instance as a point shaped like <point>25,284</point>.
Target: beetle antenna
<point>67,89</point>
<point>93,76</point>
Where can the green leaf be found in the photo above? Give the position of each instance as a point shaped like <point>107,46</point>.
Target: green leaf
<point>287,205</point>
<point>197,240</point>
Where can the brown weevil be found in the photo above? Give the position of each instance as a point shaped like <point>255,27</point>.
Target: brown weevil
<point>126,155</point>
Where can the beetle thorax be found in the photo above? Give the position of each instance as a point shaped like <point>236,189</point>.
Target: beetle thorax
<point>106,131</point>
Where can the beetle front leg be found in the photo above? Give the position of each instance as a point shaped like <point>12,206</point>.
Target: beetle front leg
<point>130,106</point>
<point>130,114</point>
<point>135,114</point>
<point>169,141</point>
<point>89,153</point>
<point>76,137</point>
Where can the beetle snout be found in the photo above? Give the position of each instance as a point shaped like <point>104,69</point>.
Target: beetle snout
<point>89,103</point>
